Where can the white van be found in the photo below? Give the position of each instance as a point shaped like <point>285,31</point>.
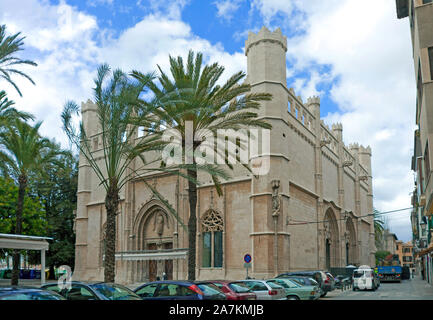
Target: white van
<point>364,278</point>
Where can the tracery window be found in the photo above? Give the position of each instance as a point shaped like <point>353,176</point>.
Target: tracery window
<point>212,241</point>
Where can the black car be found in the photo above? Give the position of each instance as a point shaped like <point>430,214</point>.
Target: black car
<point>27,293</point>
<point>76,290</point>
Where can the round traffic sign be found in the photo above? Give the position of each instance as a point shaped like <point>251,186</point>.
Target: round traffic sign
<point>247,258</point>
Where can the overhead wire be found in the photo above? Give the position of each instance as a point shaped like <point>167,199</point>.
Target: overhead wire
<point>300,222</point>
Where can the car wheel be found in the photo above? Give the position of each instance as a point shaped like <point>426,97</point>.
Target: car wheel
<point>292,298</point>
<point>324,294</point>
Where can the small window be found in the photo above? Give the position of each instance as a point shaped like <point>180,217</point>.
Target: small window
<point>256,286</point>
<point>147,291</point>
<point>169,290</point>
<point>239,287</point>
<point>79,293</point>
<point>430,57</point>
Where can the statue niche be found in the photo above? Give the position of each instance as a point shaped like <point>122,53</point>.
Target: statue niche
<point>157,225</point>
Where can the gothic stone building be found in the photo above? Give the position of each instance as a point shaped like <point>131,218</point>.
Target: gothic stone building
<point>320,219</point>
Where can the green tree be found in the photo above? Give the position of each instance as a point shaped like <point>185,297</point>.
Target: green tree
<point>378,228</point>
<point>23,152</point>
<point>57,187</point>
<point>9,46</point>
<point>381,255</point>
<point>115,101</point>
<point>34,217</point>
<point>194,98</point>
<point>8,113</point>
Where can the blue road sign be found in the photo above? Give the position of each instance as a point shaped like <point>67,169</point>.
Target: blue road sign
<point>247,258</point>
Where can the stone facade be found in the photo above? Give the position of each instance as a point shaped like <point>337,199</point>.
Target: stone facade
<point>310,212</point>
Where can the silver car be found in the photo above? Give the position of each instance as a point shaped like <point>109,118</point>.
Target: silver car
<point>266,290</point>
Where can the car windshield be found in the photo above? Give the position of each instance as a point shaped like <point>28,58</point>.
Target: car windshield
<point>279,282</point>
<point>358,274</point>
<point>115,292</point>
<point>209,289</point>
<point>300,282</point>
<point>239,287</point>
<point>274,285</point>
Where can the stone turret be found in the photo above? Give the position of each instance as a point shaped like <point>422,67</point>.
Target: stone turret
<point>313,105</point>
<point>365,158</point>
<point>337,129</point>
<point>266,52</point>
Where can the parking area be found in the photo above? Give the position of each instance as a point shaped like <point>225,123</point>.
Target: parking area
<point>413,289</point>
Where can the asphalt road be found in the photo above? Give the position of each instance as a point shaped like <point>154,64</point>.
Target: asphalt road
<point>414,289</point>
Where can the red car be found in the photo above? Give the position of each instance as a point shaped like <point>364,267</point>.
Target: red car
<point>235,290</point>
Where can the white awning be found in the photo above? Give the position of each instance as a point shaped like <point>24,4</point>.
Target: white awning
<point>13,241</point>
<point>171,255</point>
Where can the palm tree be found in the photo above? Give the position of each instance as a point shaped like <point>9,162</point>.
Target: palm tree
<point>10,45</point>
<point>24,152</point>
<point>9,113</point>
<point>115,101</point>
<point>193,96</point>
<point>379,228</point>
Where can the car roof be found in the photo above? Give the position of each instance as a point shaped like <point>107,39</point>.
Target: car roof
<point>181,282</point>
<point>85,283</point>
<point>15,289</point>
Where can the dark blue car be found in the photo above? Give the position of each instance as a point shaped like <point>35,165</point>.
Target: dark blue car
<point>179,290</point>
<point>77,290</point>
<point>27,293</point>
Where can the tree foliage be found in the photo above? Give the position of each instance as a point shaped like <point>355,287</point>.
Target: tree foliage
<point>191,101</point>
<point>10,45</point>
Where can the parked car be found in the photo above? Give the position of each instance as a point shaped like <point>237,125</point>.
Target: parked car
<point>235,290</point>
<point>266,290</point>
<point>178,290</point>
<point>296,291</point>
<point>331,280</point>
<point>320,276</point>
<point>211,291</point>
<point>28,293</point>
<point>76,290</point>
<point>365,279</point>
<point>342,281</point>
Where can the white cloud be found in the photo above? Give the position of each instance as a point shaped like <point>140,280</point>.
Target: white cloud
<point>227,8</point>
<point>69,45</point>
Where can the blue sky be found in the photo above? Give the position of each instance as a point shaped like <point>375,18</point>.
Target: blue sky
<point>355,55</point>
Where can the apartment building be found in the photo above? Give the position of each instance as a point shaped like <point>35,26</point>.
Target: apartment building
<point>420,14</point>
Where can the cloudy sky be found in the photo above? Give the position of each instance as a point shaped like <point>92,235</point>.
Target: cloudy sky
<point>356,55</point>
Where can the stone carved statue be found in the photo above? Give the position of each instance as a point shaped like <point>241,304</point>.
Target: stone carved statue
<point>276,198</point>
<point>159,224</point>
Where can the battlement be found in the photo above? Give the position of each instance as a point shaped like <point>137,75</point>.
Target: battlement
<point>313,100</point>
<point>365,150</point>
<point>87,106</point>
<point>354,147</point>
<point>337,127</point>
<point>265,34</point>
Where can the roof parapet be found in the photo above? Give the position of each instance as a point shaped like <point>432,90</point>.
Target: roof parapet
<point>265,35</point>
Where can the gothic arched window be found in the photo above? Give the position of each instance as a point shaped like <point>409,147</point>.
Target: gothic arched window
<point>212,241</point>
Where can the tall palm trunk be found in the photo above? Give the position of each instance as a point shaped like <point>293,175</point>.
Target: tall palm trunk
<point>111,205</point>
<point>192,224</point>
<point>22,181</point>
